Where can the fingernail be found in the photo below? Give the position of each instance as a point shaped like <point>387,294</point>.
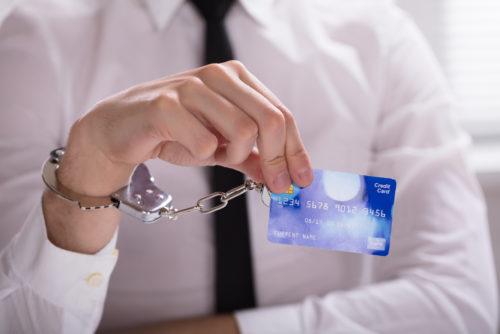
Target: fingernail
<point>282,180</point>
<point>305,176</point>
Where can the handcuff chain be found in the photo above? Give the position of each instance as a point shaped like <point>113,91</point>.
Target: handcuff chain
<point>142,198</point>
<point>224,198</point>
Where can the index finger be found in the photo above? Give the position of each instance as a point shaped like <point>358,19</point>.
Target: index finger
<point>298,161</point>
<point>270,120</point>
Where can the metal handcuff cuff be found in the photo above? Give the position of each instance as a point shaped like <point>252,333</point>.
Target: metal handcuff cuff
<point>142,199</point>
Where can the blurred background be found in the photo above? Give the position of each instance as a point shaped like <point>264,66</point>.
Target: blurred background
<point>465,37</point>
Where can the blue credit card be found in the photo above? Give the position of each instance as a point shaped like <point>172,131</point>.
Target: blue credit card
<point>339,211</point>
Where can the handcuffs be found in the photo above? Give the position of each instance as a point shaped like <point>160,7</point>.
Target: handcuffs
<point>142,199</point>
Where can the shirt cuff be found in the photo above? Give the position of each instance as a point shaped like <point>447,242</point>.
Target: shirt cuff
<point>71,280</point>
<point>270,320</point>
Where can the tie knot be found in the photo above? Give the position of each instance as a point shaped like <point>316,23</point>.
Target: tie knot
<point>213,9</point>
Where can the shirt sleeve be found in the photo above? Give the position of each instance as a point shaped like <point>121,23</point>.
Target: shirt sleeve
<point>439,276</point>
<point>43,289</point>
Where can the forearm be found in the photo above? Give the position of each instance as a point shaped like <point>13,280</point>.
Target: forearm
<point>85,171</point>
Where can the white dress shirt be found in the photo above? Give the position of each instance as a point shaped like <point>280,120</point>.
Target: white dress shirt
<point>368,98</point>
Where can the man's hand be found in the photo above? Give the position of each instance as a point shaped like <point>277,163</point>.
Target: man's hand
<point>212,115</point>
<point>207,116</point>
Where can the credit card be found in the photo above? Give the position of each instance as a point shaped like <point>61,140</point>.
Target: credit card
<point>338,211</point>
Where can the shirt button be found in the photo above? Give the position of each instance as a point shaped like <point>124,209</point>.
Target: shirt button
<point>115,252</point>
<point>95,280</point>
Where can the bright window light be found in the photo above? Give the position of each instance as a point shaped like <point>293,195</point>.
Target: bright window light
<point>465,35</point>
<point>471,45</point>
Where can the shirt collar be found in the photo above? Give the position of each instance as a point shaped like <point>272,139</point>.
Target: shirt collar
<point>162,11</point>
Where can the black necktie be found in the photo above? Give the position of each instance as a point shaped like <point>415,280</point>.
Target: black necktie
<point>233,259</point>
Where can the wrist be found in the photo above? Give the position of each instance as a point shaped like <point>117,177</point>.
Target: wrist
<point>76,230</point>
<point>87,170</point>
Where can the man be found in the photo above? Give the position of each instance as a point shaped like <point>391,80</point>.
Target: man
<point>355,78</point>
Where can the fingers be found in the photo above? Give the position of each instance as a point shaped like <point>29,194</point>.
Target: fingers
<point>299,164</point>
<point>270,122</point>
<point>221,109</point>
<point>177,154</point>
<point>251,166</point>
<point>281,150</point>
<point>238,130</point>
<point>173,122</point>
